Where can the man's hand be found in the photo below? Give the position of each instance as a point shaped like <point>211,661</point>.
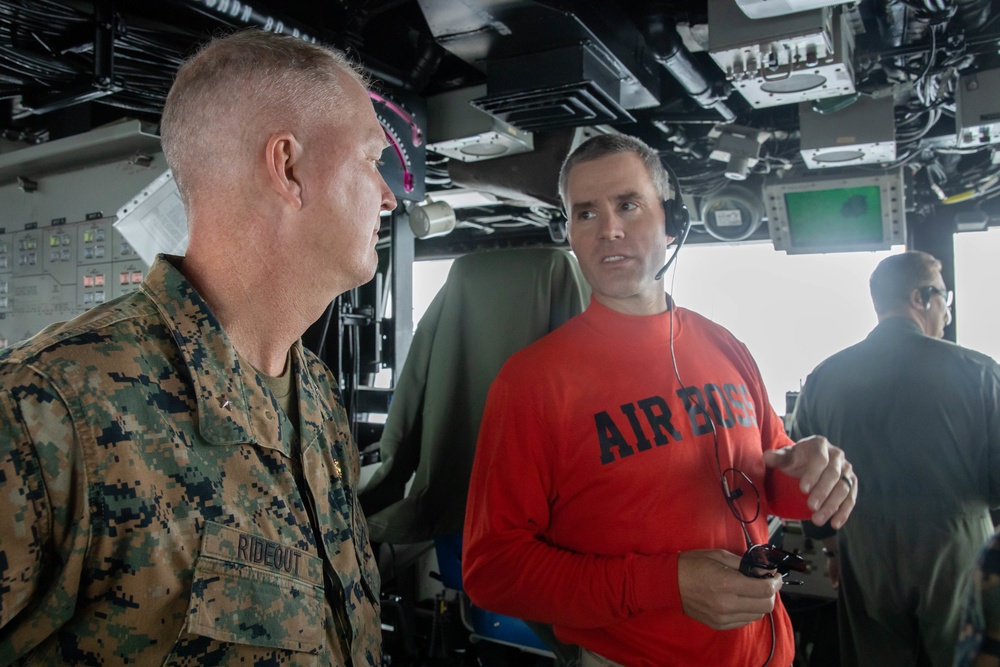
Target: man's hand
<point>824,473</point>
<point>715,593</point>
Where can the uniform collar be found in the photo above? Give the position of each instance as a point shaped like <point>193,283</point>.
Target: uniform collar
<point>231,407</point>
<point>896,325</point>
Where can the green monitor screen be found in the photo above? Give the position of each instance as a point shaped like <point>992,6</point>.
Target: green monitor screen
<point>834,217</point>
<point>836,213</point>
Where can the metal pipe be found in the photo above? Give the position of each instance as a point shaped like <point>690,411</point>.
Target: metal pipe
<point>668,50</point>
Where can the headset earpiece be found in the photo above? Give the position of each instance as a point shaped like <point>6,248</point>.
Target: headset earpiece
<point>925,297</point>
<point>674,211</point>
<point>677,218</point>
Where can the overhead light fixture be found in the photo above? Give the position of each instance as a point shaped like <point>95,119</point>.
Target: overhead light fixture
<point>783,59</point>
<point>462,132</point>
<point>432,219</point>
<point>977,111</point>
<point>862,133</point>
<point>762,9</point>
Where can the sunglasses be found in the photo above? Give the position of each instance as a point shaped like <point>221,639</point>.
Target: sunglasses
<point>765,560</point>
<point>761,561</point>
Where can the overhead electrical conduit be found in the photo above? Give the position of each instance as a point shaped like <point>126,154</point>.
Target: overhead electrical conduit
<point>669,51</point>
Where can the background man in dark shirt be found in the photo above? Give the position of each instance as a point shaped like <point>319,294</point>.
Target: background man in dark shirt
<point>919,417</point>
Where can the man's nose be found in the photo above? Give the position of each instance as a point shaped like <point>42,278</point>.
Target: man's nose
<point>611,227</point>
<point>388,199</point>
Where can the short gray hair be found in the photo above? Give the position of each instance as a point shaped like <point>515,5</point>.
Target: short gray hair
<point>896,276</point>
<point>250,75</point>
<point>613,144</point>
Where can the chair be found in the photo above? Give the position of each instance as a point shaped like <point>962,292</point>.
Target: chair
<point>492,305</point>
<point>481,623</point>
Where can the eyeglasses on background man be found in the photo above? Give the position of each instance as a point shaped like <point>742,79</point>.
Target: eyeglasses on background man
<point>947,295</point>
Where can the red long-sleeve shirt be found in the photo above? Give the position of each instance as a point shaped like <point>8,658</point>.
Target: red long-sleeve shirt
<point>595,468</point>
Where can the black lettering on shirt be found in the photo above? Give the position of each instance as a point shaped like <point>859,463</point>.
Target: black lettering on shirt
<point>694,401</point>
<point>642,443</point>
<point>712,395</point>
<point>253,549</point>
<point>610,438</point>
<point>733,396</point>
<point>748,402</point>
<point>658,414</point>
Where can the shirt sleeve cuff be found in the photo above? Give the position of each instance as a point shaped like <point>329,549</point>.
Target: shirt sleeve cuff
<point>656,585</point>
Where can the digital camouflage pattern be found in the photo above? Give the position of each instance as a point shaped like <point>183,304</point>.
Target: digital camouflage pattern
<point>979,639</point>
<point>149,512</point>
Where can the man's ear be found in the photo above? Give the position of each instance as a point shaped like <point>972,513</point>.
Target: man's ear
<point>917,300</point>
<point>282,162</point>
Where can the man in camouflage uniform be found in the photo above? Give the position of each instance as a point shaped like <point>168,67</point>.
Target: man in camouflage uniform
<point>178,479</point>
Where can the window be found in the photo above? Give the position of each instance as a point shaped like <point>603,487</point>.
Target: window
<point>791,311</point>
<point>977,275</point>
<point>428,278</point>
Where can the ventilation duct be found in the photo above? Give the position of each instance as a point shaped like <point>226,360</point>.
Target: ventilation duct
<point>565,87</point>
<point>549,64</point>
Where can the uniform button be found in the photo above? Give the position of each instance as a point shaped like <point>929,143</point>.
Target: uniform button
<point>336,468</point>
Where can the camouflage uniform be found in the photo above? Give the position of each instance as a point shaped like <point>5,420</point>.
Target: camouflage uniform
<point>149,512</point>
<point>979,637</point>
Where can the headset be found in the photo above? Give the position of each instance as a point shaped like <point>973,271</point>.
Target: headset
<point>676,213</point>
<point>678,219</point>
<point>925,295</point>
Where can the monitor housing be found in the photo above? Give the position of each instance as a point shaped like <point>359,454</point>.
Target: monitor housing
<point>836,213</point>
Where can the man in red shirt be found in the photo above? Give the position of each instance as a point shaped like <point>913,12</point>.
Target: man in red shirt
<point>596,502</point>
